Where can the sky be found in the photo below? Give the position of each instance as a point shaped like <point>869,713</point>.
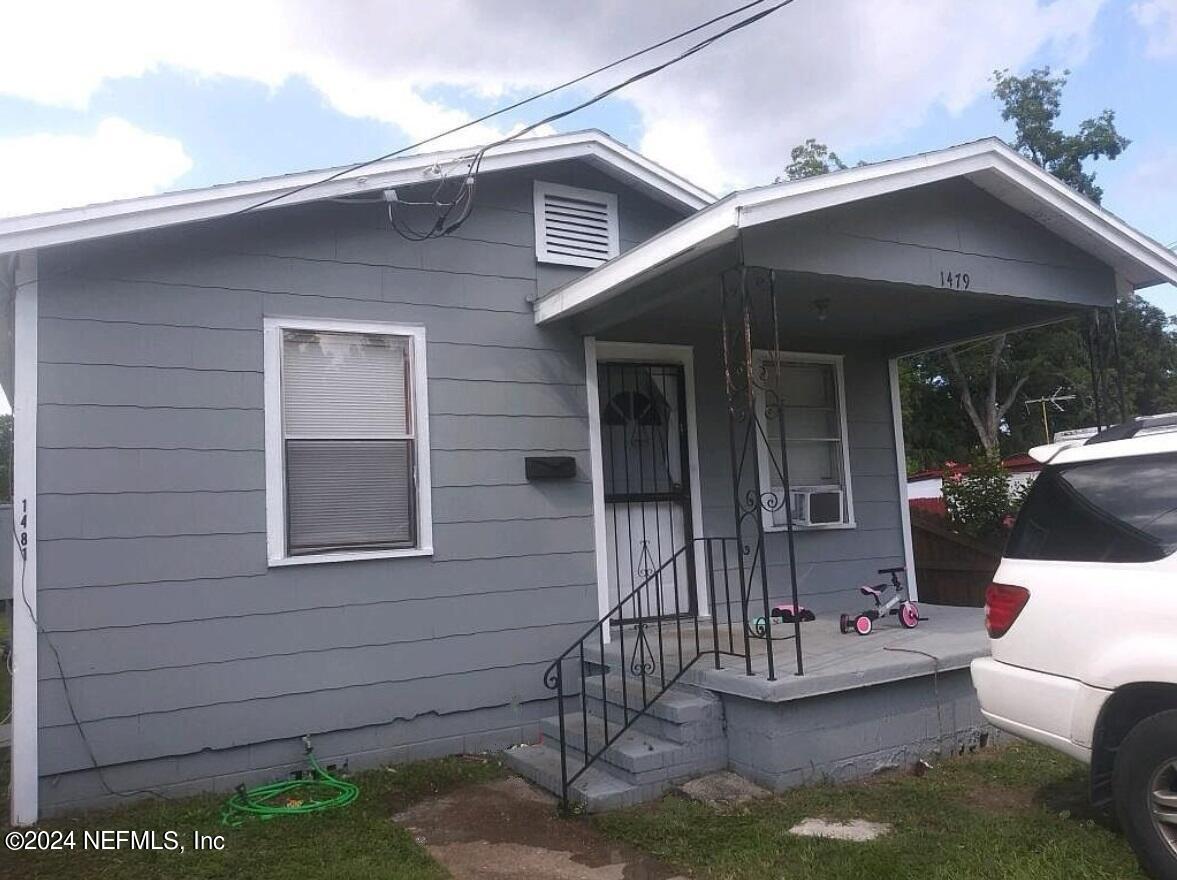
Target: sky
<point>130,98</point>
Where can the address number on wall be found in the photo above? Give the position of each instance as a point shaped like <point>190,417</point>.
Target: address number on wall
<point>954,280</point>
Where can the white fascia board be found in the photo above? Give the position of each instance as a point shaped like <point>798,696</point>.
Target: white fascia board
<point>649,172</point>
<point>990,156</point>
<point>705,230</point>
<point>1091,218</point>
<point>132,215</point>
<point>817,193</point>
<point>1143,260</point>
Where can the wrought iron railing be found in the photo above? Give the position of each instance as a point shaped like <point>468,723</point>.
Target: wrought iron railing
<point>656,642</point>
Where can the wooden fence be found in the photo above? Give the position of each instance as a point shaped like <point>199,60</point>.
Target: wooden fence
<point>950,569</point>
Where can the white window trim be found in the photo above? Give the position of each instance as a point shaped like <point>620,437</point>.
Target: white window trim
<point>542,188</point>
<point>765,475</point>
<point>276,465</point>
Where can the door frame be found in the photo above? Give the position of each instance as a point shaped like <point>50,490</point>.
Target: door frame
<point>654,353</point>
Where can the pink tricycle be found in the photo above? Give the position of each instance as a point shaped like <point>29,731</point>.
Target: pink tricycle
<point>899,604</point>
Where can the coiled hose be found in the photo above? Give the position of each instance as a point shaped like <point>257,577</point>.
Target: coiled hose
<point>320,791</point>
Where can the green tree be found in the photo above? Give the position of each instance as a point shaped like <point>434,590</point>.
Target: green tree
<point>983,501</point>
<point>987,381</point>
<point>991,379</point>
<point>1033,103</point>
<point>811,159</point>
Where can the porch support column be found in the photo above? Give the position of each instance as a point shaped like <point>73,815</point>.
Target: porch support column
<point>901,476</point>
<point>597,465</point>
<point>25,767</point>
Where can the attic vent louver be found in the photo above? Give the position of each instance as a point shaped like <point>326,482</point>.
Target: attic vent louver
<point>574,227</point>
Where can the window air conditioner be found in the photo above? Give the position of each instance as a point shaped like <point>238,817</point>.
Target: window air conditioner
<point>817,505</point>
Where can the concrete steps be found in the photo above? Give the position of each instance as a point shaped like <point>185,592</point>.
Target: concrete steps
<point>680,736</point>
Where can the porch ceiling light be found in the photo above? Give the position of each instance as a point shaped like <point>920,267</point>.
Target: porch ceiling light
<point>822,307</point>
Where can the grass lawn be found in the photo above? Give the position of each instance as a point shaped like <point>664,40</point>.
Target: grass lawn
<point>359,841</point>
<point>1014,813</point>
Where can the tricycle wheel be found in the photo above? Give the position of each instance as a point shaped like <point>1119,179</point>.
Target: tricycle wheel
<point>863,625</point>
<point>844,623</point>
<point>909,615</point>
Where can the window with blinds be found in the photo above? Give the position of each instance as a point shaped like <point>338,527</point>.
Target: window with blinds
<point>349,441</point>
<point>807,388</point>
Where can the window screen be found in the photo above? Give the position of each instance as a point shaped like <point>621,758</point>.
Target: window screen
<point>349,441</point>
<point>1114,510</point>
<point>808,394</point>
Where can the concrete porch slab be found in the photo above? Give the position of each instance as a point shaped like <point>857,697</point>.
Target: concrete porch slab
<point>948,640</point>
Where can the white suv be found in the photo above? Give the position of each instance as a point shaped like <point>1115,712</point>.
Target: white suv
<point>1082,620</point>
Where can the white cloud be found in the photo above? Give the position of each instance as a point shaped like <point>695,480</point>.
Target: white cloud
<point>850,73</point>
<point>41,172</point>
<point>1159,19</point>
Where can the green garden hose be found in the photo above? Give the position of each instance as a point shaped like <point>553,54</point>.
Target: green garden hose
<point>320,791</point>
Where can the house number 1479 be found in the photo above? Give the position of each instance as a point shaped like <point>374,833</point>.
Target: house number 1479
<point>955,280</point>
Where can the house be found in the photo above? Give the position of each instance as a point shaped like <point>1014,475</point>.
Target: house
<point>283,471</point>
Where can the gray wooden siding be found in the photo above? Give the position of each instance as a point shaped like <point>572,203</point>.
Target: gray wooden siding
<point>912,236</point>
<point>174,635</point>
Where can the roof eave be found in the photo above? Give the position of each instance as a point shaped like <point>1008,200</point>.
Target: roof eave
<point>1143,262</point>
<point>168,209</point>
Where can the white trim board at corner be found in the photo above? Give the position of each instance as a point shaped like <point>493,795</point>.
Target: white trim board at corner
<point>24,804</point>
<point>654,353</point>
<point>901,475</point>
<point>989,163</point>
<point>167,209</point>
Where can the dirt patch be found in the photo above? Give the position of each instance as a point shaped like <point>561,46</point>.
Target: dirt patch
<point>507,828</point>
<point>999,798</point>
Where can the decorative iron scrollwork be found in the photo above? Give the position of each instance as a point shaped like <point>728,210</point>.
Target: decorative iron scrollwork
<point>552,676</point>
<point>641,661</point>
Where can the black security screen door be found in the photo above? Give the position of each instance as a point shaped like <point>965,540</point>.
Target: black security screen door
<point>647,489</point>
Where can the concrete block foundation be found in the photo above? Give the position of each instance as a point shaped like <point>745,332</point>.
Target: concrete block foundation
<point>851,734</point>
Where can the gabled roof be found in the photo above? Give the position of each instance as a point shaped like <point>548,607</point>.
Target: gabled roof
<point>988,163</point>
<point>166,209</point>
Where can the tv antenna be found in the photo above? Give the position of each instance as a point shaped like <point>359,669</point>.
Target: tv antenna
<point>1056,400</point>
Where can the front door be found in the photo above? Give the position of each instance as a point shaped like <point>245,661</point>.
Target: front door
<point>647,493</point>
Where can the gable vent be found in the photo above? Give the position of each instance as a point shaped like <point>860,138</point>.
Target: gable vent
<point>574,227</point>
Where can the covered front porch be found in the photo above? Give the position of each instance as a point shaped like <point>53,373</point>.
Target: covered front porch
<point>747,457</point>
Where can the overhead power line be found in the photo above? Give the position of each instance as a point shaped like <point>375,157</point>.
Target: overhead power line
<point>465,196</point>
<point>539,95</point>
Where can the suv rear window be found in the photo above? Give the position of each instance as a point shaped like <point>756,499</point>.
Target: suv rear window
<point>1112,510</point>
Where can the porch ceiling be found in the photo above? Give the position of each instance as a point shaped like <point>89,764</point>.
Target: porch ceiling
<point>896,318</point>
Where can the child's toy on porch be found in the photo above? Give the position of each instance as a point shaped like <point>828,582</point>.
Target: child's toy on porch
<point>789,613</point>
<point>899,604</point>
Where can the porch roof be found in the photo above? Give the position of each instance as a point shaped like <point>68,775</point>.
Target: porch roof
<point>990,164</point>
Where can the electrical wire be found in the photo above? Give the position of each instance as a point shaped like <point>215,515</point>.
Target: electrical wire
<point>443,226</point>
<point>69,702</point>
<point>500,111</point>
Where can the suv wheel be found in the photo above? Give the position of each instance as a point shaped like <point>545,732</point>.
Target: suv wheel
<point>1145,786</point>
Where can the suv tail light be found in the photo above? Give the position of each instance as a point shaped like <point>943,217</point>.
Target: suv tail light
<point>1003,604</point>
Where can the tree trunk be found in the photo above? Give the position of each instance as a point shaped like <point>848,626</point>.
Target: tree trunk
<point>988,418</point>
